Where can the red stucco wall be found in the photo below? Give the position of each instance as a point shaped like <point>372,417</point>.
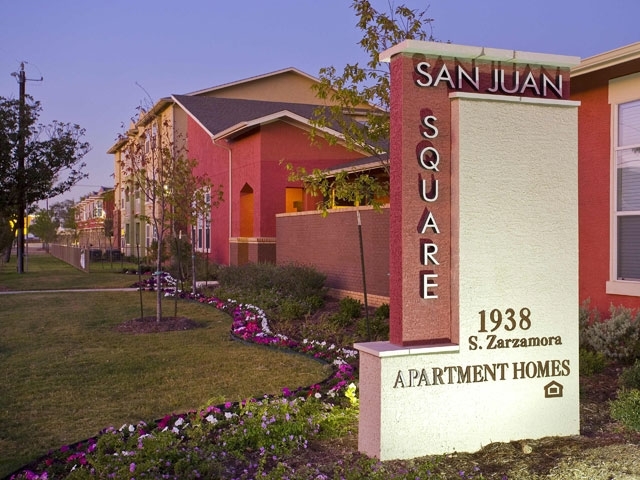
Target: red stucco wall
<point>281,144</point>
<point>593,194</point>
<point>594,191</point>
<point>213,160</point>
<point>257,159</point>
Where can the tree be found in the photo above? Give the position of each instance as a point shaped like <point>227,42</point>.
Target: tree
<point>355,188</point>
<point>36,161</point>
<point>64,213</point>
<point>361,86</point>
<point>158,170</point>
<point>7,237</point>
<point>45,227</point>
<point>361,93</point>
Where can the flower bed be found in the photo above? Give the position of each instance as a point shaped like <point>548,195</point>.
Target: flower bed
<point>282,422</point>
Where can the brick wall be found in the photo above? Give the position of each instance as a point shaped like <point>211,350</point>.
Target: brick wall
<point>252,250</point>
<point>331,245</point>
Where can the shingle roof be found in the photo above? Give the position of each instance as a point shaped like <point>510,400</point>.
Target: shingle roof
<point>363,164</point>
<point>219,114</point>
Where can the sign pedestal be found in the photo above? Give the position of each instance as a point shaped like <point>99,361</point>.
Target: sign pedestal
<point>484,262</point>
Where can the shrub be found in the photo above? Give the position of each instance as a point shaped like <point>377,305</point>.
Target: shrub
<point>378,328</point>
<point>350,307</point>
<point>341,319</point>
<point>617,338</point>
<point>591,362</point>
<point>283,292</point>
<point>291,310</point>
<point>382,312</point>
<point>587,316</point>
<point>288,280</point>
<point>325,329</point>
<point>626,408</point>
<point>630,377</point>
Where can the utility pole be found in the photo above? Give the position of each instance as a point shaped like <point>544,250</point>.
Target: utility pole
<point>22,201</point>
<point>21,177</point>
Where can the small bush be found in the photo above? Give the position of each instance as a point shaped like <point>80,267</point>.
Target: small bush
<point>291,310</point>
<point>587,317</point>
<point>283,292</point>
<point>350,307</point>
<point>325,329</point>
<point>626,408</point>
<point>630,377</point>
<point>378,328</point>
<point>341,319</point>
<point>591,362</point>
<point>617,338</point>
<point>288,280</point>
<point>382,312</point>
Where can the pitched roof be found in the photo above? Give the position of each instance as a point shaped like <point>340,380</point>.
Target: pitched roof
<point>362,164</point>
<point>225,116</point>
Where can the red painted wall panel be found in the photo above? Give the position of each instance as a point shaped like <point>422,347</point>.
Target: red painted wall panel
<point>213,160</point>
<point>258,160</point>
<point>282,143</point>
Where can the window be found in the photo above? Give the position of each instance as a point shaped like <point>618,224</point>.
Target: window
<point>150,138</point>
<point>627,191</point>
<point>201,232</point>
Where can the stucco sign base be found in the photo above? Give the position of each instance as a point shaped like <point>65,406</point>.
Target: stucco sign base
<point>483,331</point>
<point>426,401</point>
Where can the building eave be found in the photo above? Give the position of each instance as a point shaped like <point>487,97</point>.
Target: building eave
<point>116,147</point>
<point>608,59</point>
<point>156,110</point>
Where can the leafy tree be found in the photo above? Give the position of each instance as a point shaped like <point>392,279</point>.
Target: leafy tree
<point>7,236</point>
<point>361,92</point>
<point>52,156</point>
<point>156,165</point>
<point>359,85</point>
<point>64,213</point>
<point>45,227</point>
<point>355,188</point>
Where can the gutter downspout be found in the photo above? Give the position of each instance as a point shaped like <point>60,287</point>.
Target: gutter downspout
<point>228,149</point>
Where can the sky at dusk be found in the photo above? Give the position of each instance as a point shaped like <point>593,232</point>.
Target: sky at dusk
<point>99,60</point>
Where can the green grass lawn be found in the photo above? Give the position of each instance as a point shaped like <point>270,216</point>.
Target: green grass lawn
<point>44,272</point>
<point>66,373</point>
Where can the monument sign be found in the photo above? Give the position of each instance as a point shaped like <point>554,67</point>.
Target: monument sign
<point>484,255</point>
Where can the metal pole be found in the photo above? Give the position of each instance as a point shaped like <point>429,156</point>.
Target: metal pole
<point>194,290</point>
<point>364,281</point>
